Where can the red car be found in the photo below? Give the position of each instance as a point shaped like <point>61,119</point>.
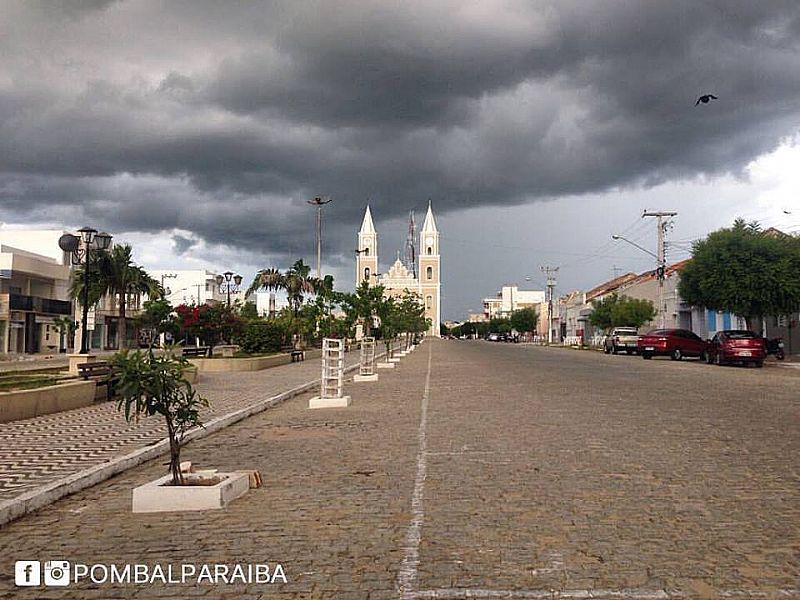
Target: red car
<point>736,345</point>
<point>675,343</point>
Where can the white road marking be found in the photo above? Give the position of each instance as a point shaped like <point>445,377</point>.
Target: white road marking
<point>407,577</point>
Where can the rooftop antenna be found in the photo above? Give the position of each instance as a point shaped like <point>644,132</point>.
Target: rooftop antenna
<point>411,250</point>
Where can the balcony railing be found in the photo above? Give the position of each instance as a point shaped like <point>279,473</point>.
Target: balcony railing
<point>40,305</point>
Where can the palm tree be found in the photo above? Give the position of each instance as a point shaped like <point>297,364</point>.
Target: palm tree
<point>115,273</point>
<point>123,278</point>
<point>296,281</point>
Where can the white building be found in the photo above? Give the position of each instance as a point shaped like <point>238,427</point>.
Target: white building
<point>34,290</point>
<point>399,279</point>
<point>510,299</point>
<point>194,286</point>
<point>43,242</point>
<point>268,303</point>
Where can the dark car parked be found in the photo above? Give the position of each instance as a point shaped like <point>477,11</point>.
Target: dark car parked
<point>675,343</point>
<point>736,346</point>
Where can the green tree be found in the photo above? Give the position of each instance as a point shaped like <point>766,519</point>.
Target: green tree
<point>150,385</point>
<point>362,305</point>
<point>500,325</point>
<point>744,271</point>
<point>621,311</point>
<point>388,311</point>
<point>248,311</point>
<point>524,319</point>
<point>411,315</point>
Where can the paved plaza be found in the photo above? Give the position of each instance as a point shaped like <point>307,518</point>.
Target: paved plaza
<point>475,470</point>
<point>37,452</point>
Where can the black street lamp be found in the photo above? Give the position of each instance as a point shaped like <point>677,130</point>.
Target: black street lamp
<point>225,278</point>
<point>72,244</point>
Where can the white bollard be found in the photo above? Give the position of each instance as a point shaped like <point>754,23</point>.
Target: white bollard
<point>366,368</point>
<point>330,395</point>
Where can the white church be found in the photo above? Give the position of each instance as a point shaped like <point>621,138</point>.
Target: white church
<point>401,277</point>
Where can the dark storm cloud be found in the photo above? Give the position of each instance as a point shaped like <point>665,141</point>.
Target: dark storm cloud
<point>222,119</point>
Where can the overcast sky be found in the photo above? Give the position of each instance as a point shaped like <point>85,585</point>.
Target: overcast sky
<point>198,130</point>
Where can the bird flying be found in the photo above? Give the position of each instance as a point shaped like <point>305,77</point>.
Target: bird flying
<point>705,98</point>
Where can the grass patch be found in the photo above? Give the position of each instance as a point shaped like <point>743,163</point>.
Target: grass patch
<point>11,384</point>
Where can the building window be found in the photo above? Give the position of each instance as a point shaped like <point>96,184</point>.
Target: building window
<point>428,301</point>
<point>429,272</point>
<point>430,250</point>
<point>366,273</point>
<point>366,251</point>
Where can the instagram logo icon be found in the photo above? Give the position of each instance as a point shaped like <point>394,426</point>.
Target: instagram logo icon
<point>56,572</point>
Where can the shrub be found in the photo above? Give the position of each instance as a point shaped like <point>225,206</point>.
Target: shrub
<point>261,336</point>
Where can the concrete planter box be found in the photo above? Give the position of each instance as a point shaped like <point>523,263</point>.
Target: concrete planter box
<point>157,497</point>
<point>226,350</point>
<point>317,402</point>
<point>385,365</point>
<point>258,363</point>
<point>191,374</point>
<point>26,404</point>
<point>364,378</point>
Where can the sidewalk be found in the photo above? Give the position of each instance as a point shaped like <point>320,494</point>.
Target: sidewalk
<point>38,454</point>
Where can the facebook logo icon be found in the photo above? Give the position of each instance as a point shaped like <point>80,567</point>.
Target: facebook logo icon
<point>27,572</point>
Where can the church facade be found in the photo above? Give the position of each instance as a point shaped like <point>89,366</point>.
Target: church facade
<point>399,278</point>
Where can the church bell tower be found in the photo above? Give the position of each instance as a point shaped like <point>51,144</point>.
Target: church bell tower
<point>429,272</point>
<point>367,251</point>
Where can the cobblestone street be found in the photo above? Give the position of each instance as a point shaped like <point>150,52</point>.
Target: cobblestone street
<point>476,470</point>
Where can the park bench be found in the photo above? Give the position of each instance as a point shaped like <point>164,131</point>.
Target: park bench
<point>297,355</point>
<point>102,373</point>
<point>196,351</point>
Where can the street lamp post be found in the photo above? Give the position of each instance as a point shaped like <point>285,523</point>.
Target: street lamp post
<point>319,202</point>
<point>225,278</point>
<point>72,244</point>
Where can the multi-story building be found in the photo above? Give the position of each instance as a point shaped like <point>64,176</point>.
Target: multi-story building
<point>34,290</point>
<point>399,278</point>
<point>510,299</point>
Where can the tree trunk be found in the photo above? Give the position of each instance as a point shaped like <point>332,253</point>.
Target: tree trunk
<point>174,454</point>
<point>753,324</point>
<point>121,333</point>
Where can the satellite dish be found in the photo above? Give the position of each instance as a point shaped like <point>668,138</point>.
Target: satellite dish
<point>68,242</point>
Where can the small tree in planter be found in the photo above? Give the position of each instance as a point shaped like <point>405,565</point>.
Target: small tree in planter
<point>149,385</point>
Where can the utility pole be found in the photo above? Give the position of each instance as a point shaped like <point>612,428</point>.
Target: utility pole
<point>319,202</point>
<point>662,225</point>
<point>551,284</point>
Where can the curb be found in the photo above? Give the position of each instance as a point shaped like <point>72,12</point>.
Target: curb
<point>47,494</point>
